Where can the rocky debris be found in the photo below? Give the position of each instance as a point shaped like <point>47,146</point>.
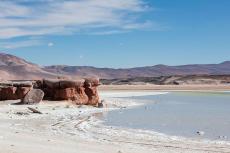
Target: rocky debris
<point>22,113</point>
<point>33,96</point>
<point>34,110</point>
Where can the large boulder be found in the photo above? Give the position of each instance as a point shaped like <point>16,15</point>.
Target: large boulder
<point>33,96</point>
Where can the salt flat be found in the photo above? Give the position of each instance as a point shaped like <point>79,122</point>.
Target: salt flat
<point>64,127</point>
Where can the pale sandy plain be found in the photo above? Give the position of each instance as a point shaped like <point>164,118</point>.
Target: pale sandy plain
<point>66,128</point>
<point>200,87</point>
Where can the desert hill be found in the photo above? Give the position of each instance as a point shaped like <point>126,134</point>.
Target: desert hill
<point>12,67</point>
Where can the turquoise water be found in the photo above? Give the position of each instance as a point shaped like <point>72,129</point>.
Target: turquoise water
<point>178,114</point>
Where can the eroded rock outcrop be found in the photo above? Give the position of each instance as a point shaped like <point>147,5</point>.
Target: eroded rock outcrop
<point>80,92</point>
<point>14,91</point>
<point>90,86</point>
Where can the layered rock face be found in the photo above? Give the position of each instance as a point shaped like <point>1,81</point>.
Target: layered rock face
<point>90,86</point>
<point>80,92</point>
<point>14,91</point>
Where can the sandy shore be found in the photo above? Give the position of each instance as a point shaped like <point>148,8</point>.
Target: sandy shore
<point>66,128</point>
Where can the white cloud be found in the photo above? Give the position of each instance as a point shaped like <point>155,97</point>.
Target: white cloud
<point>20,44</point>
<point>9,9</point>
<point>50,44</point>
<point>46,17</point>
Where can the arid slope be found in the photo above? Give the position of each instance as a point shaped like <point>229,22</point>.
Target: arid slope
<point>12,67</point>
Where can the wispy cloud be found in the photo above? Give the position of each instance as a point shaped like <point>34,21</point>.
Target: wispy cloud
<point>48,17</point>
<point>107,32</point>
<point>19,44</point>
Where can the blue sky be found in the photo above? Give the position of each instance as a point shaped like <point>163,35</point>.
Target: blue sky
<point>116,33</point>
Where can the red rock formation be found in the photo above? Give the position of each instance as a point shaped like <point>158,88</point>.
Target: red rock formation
<point>14,90</point>
<point>91,90</point>
<point>81,92</point>
<point>22,91</point>
<point>77,95</point>
<point>13,93</point>
<point>8,93</point>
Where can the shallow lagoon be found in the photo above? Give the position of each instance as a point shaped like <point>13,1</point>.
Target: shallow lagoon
<point>178,114</point>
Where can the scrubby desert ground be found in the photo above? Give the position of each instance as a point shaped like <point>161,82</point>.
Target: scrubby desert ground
<point>200,87</point>
<point>66,128</point>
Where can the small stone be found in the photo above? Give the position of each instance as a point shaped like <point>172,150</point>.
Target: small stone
<point>80,106</point>
<point>21,113</point>
<point>200,133</point>
<point>222,137</point>
<point>100,105</point>
<point>34,110</point>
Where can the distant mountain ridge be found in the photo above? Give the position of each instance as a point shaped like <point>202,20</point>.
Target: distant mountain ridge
<point>12,67</point>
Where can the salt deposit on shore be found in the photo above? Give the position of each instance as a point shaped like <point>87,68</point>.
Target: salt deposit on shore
<point>63,127</point>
